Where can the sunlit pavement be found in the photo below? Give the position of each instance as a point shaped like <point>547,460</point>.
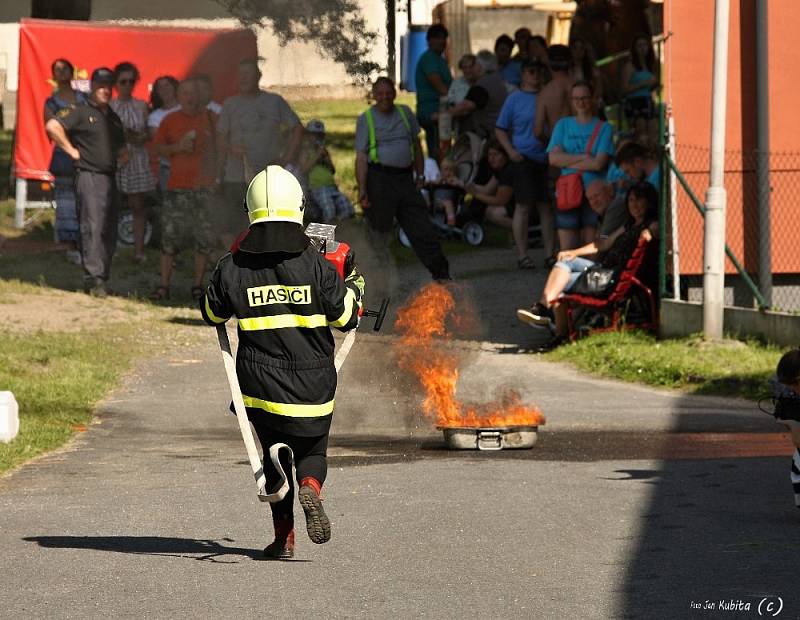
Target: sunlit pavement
<point>633,503</point>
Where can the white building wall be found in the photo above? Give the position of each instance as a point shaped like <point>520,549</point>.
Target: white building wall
<point>296,66</point>
<point>9,55</point>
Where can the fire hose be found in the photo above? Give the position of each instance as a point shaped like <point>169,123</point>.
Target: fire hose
<point>278,492</point>
<point>341,255</point>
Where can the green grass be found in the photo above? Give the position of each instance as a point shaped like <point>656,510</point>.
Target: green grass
<point>731,368</point>
<point>40,229</point>
<point>57,378</point>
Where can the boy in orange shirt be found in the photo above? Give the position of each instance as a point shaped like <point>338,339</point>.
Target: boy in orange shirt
<point>186,138</point>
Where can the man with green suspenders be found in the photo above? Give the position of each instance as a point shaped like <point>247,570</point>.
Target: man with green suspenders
<point>388,154</point>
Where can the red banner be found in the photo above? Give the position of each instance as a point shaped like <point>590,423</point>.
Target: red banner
<point>155,51</point>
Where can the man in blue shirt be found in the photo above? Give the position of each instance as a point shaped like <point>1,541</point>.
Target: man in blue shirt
<point>637,162</point>
<point>514,130</point>
<point>433,79</point>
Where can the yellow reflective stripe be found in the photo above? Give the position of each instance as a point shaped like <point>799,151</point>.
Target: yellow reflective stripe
<point>292,411</point>
<point>211,315</point>
<point>280,321</point>
<point>408,129</point>
<point>259,213</point>
<point>349,302</point>
<point>373,142</point>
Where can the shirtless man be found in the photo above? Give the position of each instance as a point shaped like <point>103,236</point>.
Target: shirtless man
<point>554,98</point>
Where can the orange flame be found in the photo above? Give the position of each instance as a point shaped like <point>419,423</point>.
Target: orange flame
<point>421,350</point>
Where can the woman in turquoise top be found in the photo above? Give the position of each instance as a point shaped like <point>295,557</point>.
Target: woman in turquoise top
<point>568,150</point>
<point>639,80</point>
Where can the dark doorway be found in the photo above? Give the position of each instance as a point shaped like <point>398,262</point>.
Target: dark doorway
<point>62,9</point>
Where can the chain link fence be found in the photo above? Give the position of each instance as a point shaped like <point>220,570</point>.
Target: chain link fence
<point>754,245</point>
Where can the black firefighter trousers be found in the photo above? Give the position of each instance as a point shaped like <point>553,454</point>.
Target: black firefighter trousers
<point>393,194</point>
<point>310,459</point>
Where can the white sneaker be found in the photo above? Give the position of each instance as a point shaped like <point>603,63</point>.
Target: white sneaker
<point>529,316</point>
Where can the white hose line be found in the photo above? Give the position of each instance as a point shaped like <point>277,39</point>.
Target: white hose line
<point>247,432</point>
<point>244,422</point>
<point>344,349</point>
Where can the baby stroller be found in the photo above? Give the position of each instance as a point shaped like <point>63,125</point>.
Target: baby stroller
<point>466,153</point>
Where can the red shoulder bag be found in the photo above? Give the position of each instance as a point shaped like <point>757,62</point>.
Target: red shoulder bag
<point>569,187</point>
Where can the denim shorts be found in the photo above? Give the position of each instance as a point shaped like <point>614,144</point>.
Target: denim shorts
<point>575,267</point>
<point>575,219</point>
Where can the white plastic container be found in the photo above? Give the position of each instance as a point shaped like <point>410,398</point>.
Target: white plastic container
<point>9,417</point>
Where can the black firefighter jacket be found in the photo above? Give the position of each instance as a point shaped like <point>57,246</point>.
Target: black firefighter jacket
<point>285,304</point>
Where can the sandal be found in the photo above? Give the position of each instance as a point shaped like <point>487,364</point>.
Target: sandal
<point>526,262</point>
<point>197,292</point>
<point>160,294</point>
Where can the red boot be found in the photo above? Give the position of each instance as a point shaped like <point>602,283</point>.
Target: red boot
<point>317,523</point>
<point>282,548</point>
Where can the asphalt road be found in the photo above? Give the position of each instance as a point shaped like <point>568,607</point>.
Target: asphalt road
<point>634,503</point>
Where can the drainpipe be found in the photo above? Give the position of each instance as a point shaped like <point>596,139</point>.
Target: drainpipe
<point>716,198</point>
<point>762,153</point>
<point>391,43</point>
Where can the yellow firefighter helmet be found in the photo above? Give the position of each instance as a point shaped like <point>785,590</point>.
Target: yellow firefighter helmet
<point>275,195</point>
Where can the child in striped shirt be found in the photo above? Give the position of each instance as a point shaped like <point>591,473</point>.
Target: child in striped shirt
<point>787,409</point>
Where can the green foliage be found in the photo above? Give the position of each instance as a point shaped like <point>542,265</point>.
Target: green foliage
<point>57,378</point>
<point>731,368</point>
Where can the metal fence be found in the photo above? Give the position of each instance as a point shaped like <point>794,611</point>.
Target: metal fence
<point>759,240</point>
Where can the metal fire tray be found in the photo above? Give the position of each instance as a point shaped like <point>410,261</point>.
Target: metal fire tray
<point>509,437</point>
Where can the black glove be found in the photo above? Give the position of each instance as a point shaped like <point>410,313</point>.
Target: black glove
<point>349,262</point>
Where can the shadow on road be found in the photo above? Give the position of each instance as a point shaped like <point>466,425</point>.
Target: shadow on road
<point>190,548</point>
<point>719,533</point>
<point>191,322</point>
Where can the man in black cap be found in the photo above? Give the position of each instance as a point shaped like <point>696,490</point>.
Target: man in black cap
<point>92,134</point>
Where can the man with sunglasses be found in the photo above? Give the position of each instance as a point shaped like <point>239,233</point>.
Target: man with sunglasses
<point>93,136</point>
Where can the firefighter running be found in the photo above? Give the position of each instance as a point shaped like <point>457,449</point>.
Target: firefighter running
<point>286,296</point>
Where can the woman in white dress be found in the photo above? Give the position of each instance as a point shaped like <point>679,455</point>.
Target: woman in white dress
<point>135,179</point>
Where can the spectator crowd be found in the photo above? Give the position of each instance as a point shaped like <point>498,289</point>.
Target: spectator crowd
<point>551,157</point>
<point>547,159</point>
<point>182,152</point>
